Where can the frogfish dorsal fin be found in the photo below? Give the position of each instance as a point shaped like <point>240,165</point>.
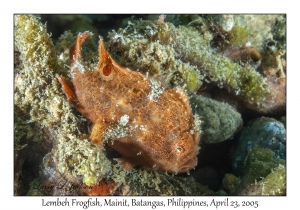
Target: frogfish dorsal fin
<point>75,49</point>
<point>105,64</point>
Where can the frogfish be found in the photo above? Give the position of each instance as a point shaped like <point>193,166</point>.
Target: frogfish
<point>148,124</point>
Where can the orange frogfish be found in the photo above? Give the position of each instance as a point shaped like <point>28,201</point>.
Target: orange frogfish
<point>148,124</point>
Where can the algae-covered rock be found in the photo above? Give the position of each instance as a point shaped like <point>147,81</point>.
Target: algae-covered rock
<point>148,47</point>
<point>265,174</point>
<point>219,120</point>
<point>254,29</point>
<point>263,132</point>
<point>275,182</point>
<point>35,188</point>
<point>183,57</point>
<point>230,183</point>
<point>142,182</point>
<point>260,162</point>
<point>38,94</point>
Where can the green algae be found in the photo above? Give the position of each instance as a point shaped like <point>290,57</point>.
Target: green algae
<point>238,36</point>
<point>22,132</point>
<point>35,188</point>
<point>265,174</point>
<point>230,183</point>
<point>250,29</point>
<point>275,182</point>
<point>183,57</point>
<point>141,182</point>
<point>143,49</point>
<point>260,162</point>
<point>39,63</point>
<point>38,92</point>
<point>263,132</point>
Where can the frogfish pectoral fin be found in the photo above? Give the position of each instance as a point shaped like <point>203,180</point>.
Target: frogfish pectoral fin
<point>125,163</point>
<point>68,90</point>
<point>98,132</point>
